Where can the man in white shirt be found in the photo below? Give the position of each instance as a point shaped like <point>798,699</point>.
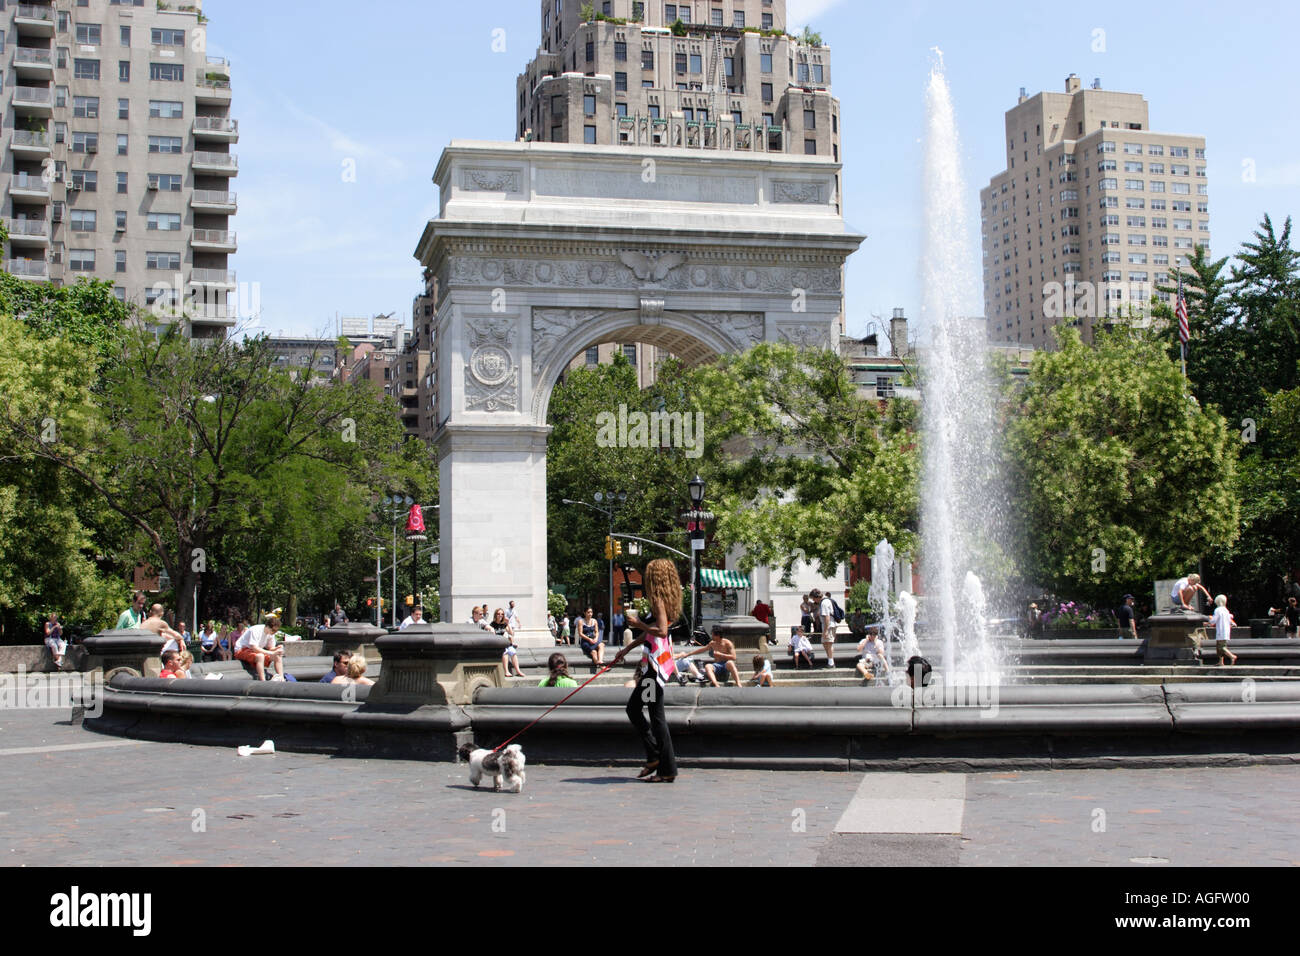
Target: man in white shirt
<point>1222,622</point>
<point>873,662</point>
<point>1185,589</point>
<point>826,611</point>
<point>512,618</point>
<point>257,647</point>
<point>415,617</point>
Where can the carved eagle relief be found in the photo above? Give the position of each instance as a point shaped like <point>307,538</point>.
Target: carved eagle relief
<point>651,268</point>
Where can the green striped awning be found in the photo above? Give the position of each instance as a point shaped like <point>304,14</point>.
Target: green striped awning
<point>720,578</point>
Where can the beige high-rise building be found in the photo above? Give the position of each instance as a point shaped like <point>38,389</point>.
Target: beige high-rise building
<point>1093,211</point>
<point>701,74</point>
<point>117,158</point>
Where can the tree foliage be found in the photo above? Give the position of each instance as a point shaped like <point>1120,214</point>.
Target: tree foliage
<point>1121,477</point>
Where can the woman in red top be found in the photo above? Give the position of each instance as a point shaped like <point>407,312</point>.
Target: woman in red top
<point>663,587</point>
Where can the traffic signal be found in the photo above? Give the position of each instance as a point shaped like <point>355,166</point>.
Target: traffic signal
<point>370,602</point>
<point>609,548</point>
<point>618,548</point>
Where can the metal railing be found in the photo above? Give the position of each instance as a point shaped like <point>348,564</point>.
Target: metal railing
<point>225,276</point>
<point>28,267</point>
<point>215,197</point>
<point>217,124</point>
<point>31,181</point>
<point>32,94</point>
<point>225,160</point>
<point>30,11</point>
<point>27,227</point>
<point>222,236</point>
<point>26,137</point>
<point>213,84</point>
<point>27,54</point>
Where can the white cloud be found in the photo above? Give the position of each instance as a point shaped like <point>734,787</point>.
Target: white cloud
<point>343,144</point>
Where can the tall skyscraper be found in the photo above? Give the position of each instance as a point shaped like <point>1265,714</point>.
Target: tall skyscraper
<point>703,74</point>
<point>117,162</point>
<point>1090,215</point>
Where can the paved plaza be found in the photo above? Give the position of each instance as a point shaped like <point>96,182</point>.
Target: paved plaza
<point>72,797</point>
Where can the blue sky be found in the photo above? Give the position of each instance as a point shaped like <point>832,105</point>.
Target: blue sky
<point>324,84</point>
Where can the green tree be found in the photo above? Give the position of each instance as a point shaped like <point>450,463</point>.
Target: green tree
<point>812,467</point>
<point>1120,476</point>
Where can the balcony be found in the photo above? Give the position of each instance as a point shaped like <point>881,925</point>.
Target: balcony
<point>37,270</point>
<point>220,128</point>
<point>213,90</point>
<point>202,314</point>
<point>28,232</point>
<point>29,186</point>
<point>220,164</point>
<point>213,240</point>
<point>33,62</point>
<point>33,101</point>
<point>224,278</point>
<point>32,145</point>
<point>34,21</point>
<point>213,200</point>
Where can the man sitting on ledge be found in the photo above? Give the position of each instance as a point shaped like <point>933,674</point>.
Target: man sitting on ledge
<point>257,648</point>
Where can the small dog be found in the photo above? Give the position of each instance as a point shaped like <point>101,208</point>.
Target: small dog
<point>504,766</point>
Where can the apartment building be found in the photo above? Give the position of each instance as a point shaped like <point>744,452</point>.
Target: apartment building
<point>1093,211</point>
<point>118,161</point>
<point>703,74</point>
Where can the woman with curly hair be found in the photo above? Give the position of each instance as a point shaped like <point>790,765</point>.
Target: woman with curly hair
<point>663,587</point>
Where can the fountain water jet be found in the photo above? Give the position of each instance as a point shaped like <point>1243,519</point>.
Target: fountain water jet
<point>960,481</point>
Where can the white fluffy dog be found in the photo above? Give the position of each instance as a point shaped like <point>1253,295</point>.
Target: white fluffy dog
<point>505,766</point>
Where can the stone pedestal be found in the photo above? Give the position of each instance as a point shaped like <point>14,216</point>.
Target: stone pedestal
<point>1173,637</point>
<point>354,636</point>
<point>437,664</point>
<point>130,649</point>
<point>749,634</point>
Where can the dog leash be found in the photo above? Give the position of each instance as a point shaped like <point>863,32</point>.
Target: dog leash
<point>570,694</point>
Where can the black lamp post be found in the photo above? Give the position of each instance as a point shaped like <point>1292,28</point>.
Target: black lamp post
<point>695,519</point>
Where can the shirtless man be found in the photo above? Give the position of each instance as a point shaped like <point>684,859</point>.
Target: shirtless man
<point>723,653</point>
<point>154,622</point>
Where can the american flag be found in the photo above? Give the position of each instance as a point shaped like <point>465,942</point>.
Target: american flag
<point>1184,333</point>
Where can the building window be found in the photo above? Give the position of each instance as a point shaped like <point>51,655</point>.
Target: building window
<point>85,142</point>
<point>85,69</point>
<point>766,90</point>
<point>119,220</point>
<point>123,108</point>
<point>166,144</point>
<point>119,263</point>
<point>85,107</point>
<point>589,104</point>
<point>738,19</point>
<point>884,386</point>
<point>121,144</point>
<point>810,147</point>
<point>647,59</point>
<point>166,109</point>
<point>89,33</point>
<point>809,119</point>
<point>589,134</point>
<point>620,50</point>
<point>679,62</point>
<point>124,71</point>
<point>593,355</point>
<point>590,51</point>
<point>81,260</point>
<point>170,261</point>
<point>164,221</point>
<point>167,71</point>
<point>620,81</point>
<point>728,66</point>
<point>121,182</point>
<point>765,62</point>
<point>629,352</point>
<point>620,109</point>
<point>715,17</point>
<point>82,220</point>
<point>654,110</point>
<point>124,38</point>
<point>167,37</point>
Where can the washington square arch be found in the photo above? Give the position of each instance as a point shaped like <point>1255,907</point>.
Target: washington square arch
<point>541,250</point>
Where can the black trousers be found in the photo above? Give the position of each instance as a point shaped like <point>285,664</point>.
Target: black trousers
<point>654,732</point>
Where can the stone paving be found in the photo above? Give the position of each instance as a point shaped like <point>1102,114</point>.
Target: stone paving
<point>72,797</point>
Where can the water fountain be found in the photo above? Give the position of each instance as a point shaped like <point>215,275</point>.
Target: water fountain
<point>961,486</point>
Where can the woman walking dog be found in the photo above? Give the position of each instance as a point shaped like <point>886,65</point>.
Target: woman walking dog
<point>664,589</point>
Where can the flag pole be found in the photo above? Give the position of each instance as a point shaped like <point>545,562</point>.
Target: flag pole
<point>1181,310</point>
